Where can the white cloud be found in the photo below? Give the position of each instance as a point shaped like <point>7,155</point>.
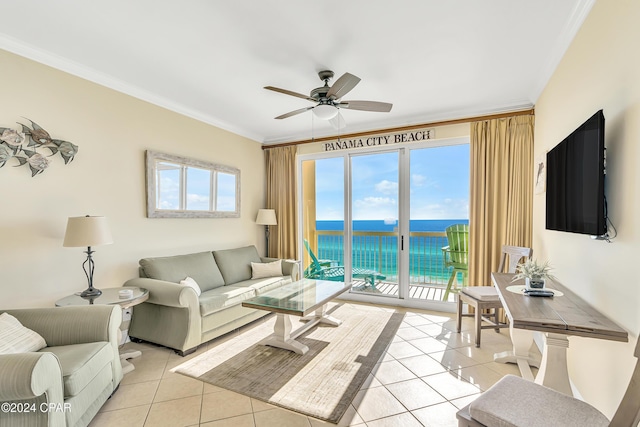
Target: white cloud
<point>375,208</point>
<point>387,187</point>
<point>328,213</point>
<point>197,202</point>
<point>418,180</point>
<point>446,209</point>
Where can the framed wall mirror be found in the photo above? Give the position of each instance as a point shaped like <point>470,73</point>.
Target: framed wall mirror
<point>180,187</point>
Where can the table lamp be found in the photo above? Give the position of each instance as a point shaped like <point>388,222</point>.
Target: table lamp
<point>266,217</point>
<point>88,231</point>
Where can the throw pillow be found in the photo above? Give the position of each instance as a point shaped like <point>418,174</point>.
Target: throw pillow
<point>260,270</point>
<point>15,338</point>
<point>188,281</point>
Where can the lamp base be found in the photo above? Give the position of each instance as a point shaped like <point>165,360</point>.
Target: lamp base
<point>91,292</point>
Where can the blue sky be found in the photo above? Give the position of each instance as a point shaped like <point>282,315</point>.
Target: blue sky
<point>439,185</point>
<point>198,190</point>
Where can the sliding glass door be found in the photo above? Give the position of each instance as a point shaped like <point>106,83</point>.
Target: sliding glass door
<point>374,206</point>
<point>438,198</point>
<point>377,218</point>
<point>323,228</point>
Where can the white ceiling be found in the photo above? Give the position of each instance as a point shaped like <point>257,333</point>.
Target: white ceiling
<point>210,59</point>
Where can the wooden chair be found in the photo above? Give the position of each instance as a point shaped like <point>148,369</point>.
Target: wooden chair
<point>456,255</point>
<point>483,298</point>
<point>515,402</point>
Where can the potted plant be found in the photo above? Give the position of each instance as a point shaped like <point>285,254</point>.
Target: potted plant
<point>534,273</point>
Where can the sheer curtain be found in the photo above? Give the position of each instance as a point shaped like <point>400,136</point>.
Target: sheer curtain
<point>501,201</point>
<point>282,196</point>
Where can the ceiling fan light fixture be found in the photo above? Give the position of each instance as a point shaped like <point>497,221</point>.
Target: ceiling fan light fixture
<point>325,111</point>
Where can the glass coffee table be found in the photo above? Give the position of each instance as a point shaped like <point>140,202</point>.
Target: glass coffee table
<point>307,298</point>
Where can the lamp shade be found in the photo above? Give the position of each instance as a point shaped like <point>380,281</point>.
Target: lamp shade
<point>87,231</point>
<point>266,217</point>
<point>325,112</point>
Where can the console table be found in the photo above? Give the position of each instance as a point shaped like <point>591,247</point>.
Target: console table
<point>566,314</point>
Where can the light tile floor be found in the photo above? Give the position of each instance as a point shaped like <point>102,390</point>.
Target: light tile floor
<point>427,373</point>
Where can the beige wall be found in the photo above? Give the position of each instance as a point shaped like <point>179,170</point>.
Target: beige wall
<point>112,131</point>
<point>601,70</point>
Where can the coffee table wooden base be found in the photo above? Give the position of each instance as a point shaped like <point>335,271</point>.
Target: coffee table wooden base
<point>284,338</point>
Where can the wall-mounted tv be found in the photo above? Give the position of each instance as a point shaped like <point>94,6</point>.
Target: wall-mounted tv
<point>575,181</point>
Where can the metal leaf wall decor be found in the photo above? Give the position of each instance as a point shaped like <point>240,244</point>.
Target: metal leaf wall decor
<point>12,146</point>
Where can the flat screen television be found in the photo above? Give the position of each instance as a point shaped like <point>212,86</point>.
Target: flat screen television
<point>575,181</point>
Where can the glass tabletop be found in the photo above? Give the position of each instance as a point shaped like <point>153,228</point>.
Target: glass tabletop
<point>298,298</point>
<point>109,296</point>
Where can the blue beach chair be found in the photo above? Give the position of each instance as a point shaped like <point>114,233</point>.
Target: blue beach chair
<point>322,271</point>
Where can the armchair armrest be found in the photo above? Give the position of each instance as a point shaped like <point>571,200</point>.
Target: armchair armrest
<point>74,324</point>
<point>28,375</point>
<point>35,380</point>
<point>166,293</point>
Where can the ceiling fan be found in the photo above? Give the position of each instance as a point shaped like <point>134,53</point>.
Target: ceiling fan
<point>327,99</point>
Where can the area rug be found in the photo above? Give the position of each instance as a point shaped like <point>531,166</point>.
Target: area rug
<point>321,383</point>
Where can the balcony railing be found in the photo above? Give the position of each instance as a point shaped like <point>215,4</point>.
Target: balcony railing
<point>378,250</point>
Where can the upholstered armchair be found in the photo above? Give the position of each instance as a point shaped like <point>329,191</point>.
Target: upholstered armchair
<point>65,383</point>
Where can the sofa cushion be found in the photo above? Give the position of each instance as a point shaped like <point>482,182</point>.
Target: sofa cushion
<point>513,402</point>
<point>235,264</point>
<point>200,266</point>
<point>81,363</point>
<point>263,285</point>
<point>260,270</point>
<point>15,338</point>
<point>226,296</point>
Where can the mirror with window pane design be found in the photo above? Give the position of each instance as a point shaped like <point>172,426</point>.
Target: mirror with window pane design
<point>179,187</point>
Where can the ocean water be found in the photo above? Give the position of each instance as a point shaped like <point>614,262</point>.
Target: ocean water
<point>380,253</point>
<point>383,225</point>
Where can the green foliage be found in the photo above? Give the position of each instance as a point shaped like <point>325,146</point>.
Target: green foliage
<point>533,270</point>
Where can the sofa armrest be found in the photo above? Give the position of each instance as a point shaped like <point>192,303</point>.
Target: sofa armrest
<point>166,293</point>
<point>171,315</point>
<point>290,267</point>
<point>74,324</point>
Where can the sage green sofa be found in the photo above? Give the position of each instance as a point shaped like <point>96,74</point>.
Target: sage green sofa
<point>176,317</point>
<point>67,382</point>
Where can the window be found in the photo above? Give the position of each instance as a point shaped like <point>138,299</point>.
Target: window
<point>178,187</point>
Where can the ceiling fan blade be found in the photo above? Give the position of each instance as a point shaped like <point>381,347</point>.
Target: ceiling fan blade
<point>342,86</point>
<point>288,92</point>
<point>338,121</point>
<point>382,107</point>
<point>294,112</point>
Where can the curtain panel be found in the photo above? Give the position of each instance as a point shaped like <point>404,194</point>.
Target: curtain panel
<point>281,196</point>
<point>501,201</point>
